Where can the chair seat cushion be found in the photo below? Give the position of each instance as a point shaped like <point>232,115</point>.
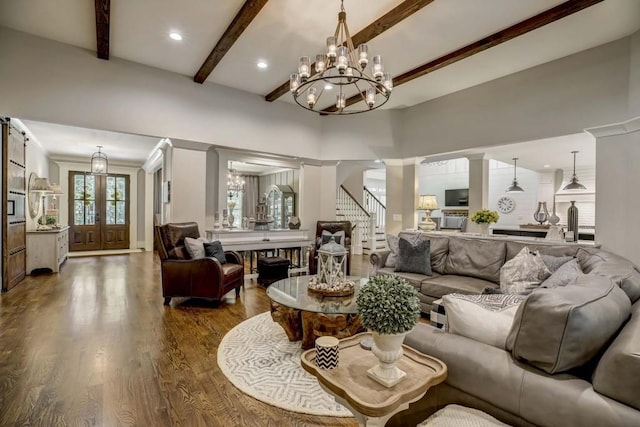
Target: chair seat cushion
<point>232,272</point>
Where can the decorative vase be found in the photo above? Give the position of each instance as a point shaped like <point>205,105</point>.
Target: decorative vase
<point>572,220</point>
<point>231,219</point>
<point>388,349</point>
<point>484,228</point>
<point>541,214</point>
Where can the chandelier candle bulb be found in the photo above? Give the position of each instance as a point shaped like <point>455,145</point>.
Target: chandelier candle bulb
<point>378,69</point>
<point>363,53</point>
<point>311,97</point>
<point>349,74</point>
<point>321,63</point>
<point>342,62</point>
<point>305,67</point>
<point>371,96</point>
<point>387,81</point>
<point>331,47</point>
<point>341,101</point>
<point>294,82</point>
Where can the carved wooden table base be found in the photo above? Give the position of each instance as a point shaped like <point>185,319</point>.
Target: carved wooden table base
<point>307,325</point>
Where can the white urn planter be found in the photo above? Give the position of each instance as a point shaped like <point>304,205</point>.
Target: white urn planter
<point>388,349</point>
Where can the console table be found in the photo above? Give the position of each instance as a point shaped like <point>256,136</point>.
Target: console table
<point>47,249</point>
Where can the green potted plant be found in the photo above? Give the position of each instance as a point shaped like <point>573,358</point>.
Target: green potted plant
<point>483,218</point>
<point>389,307</point>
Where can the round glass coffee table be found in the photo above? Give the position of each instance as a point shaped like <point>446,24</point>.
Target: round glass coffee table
<point>306,316</point>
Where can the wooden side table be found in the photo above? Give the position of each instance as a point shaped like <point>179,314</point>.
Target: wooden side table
<point>372,403</point>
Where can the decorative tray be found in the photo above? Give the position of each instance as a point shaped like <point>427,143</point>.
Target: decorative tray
<point>340,289</point>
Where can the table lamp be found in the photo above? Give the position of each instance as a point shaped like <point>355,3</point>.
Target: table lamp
<point>41,186</point>
<point>427,203</point>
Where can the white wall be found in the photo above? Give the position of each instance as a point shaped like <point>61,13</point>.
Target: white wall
<point>48,81</point>
<point>188,187</point>
<point>309,200</point>
<point>38,163</point>
<point>561,97</point>
<point>634,75</point>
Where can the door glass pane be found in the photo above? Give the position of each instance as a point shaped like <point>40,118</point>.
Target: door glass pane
<point>84,194</point>
<point>120,212</point>
<point>90,212</point>
<point>111,212</point>
<point>111,188</point>
<point>121,189</point>
<point>78,212</point>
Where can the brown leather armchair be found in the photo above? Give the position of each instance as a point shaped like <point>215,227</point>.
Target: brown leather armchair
<point>200,278</point>
<point>332,227</point>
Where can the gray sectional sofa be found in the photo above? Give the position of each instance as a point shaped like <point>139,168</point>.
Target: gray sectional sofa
<point>572,357</point>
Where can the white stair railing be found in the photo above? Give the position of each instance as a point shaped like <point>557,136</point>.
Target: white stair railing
<point>348,208</point>
<point>373,204</point>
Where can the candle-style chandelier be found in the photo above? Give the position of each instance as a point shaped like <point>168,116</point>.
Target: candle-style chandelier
<point>235,182</point>
<point>341,70</point>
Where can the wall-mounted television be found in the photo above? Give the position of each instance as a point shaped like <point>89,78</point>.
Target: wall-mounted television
<point>459,197</point>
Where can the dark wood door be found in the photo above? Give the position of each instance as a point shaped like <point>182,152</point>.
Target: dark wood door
<point>99,211</point>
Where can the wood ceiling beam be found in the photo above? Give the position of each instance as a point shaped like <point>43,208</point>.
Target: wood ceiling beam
<point>547,17</point>
<point>379,26</point>
<point>103,8</point>
<point>241,21</point>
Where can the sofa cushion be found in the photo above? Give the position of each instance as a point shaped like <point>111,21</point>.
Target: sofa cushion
<point>484,318</point>
<point>563,276</point>
<point>438,286</point>
<point>523,273</point>
<point>475,258</point>
<point>414,257</point>
<point>617,268</point>
<point>618,372</point>
<point>439,250</point>
<point>563,328</point>
<point>415,279</point>
<point>513,248</point>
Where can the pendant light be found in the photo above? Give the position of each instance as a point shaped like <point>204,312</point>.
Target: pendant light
<point>574,184</point>
<point>99,162</point>
<point>514,187</point>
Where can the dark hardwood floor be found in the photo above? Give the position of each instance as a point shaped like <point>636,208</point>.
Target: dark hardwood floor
<point>94,345</point>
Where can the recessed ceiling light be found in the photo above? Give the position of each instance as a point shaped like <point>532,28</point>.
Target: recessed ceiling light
<point>262,65</point>
<point>547,166</point>
<point>328,87</point>
<point>175,36</point>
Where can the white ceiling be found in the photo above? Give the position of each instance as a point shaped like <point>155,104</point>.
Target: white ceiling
<point>284,30</point>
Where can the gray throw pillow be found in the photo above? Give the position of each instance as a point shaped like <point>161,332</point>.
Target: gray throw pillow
<point>195,247</point>
<point>214,249</point>
<point>523,273</point>
<point>564,275</point>
<point>555,262</point>
<point>414,257</point>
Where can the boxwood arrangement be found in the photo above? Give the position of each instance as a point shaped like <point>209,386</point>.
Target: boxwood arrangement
<point>388,305</point>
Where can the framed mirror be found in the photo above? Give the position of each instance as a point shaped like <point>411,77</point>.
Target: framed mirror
<point>33,198</point>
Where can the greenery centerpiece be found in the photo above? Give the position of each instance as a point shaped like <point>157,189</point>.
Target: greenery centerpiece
<point>483,218</point>
<point>389,307</point>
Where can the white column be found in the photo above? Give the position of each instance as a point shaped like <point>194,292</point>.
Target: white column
<point>188,186</point>
<point>478,186</point>
<point>618,175</point>
<point>394,185</point>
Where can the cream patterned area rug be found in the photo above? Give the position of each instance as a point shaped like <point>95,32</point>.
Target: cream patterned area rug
<point>257,358</point>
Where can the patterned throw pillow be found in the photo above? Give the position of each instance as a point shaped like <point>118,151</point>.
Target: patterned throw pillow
<point>563,275</point>
<point>338,236</point>
<point>392,242</point>
<point>214,249</point>
<point>523,273</point>
<point>414,257</point>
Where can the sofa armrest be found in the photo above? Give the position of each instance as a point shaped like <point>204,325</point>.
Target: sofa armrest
<point>379,258</point>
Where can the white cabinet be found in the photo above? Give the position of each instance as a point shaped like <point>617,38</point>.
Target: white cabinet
<point>47,249</point>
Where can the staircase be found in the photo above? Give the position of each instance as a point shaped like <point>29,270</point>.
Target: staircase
<point>367,225</point>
